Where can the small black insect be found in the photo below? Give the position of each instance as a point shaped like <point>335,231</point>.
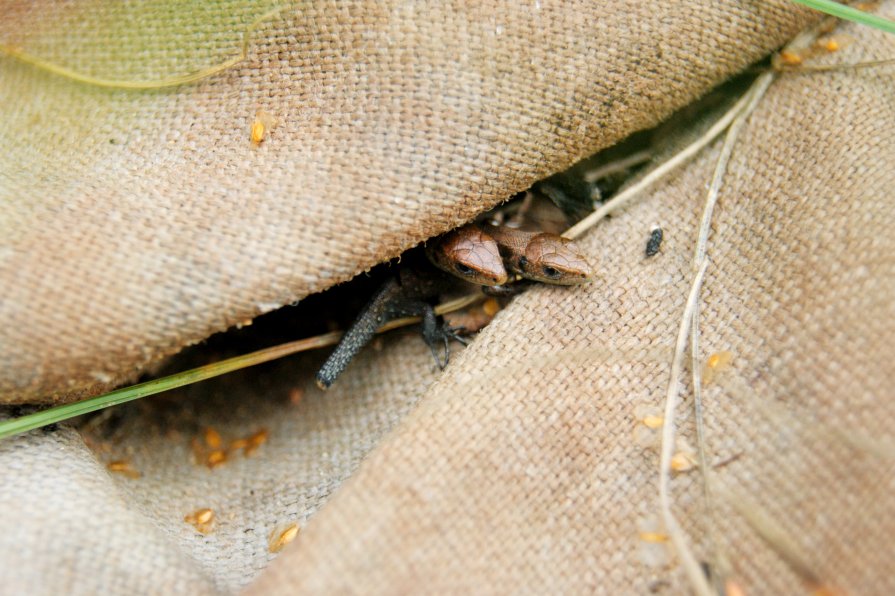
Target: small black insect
<point>654,242</point>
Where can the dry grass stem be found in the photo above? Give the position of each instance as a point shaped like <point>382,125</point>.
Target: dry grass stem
<point>175,81</point>
<point>626,196</point>
<point>691,565</point>
<point>700,262</point>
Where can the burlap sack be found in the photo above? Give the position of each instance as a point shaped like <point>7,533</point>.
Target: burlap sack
<point>519,470</point>
<point>136,223</point>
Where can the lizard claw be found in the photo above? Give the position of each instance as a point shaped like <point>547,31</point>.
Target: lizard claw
<point>447,353</point>
<point>455,333</point>
<point>447,350</point>
<point>446,334</point>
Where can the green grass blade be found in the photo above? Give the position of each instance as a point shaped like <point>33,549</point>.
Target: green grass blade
<point>851,14</point>
<point>56,414</point>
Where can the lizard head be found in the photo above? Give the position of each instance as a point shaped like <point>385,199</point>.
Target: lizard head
<point>555,260</point>
<point>470,254</point>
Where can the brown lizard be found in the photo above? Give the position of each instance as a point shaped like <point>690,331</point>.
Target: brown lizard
<point>480,254</point>
<point>465,253</point>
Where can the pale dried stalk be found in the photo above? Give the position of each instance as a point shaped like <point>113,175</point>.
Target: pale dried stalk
<point>680,158</point>
<point>689,562</point>
<point>174,81</point>
<point>700,260</point>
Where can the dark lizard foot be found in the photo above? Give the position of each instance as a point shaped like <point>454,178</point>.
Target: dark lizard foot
<point>435,334</point>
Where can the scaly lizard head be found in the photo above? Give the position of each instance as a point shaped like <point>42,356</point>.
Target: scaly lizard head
<point>469,254</point>
<point>555,260</point>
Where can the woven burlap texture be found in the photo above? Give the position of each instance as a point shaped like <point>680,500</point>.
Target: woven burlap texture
<point>519,470</point>
<point>70,526</point>
<point>135,223</point>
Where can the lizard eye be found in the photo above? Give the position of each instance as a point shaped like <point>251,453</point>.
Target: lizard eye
<point>463,269</point>
<point>550,272</point>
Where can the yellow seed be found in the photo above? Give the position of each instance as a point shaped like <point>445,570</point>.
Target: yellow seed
<point>124,468</point>
<point>790,58</point>
<point>215,458</point>
<point>714,364</point>
<point>719,359</point>
<point>683,461</point>
<point>653,421</point>
<point>653,549</point>
<point>491,307</point>
<point>201,519</point>
<point>263,124</point>
<point>649,420</point>
<point>280,539</point>
<point>833,43</point>
<point>653,537</point>
<point>212,438</point>
<point>257,132</point>
<point>259,438</point>
<point>255,441</point>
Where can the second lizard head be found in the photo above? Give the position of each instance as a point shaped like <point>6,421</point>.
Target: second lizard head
<point>554,260</point>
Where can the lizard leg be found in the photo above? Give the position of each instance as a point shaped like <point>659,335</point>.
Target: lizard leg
<point>433,335</point>
<point>389,302</point>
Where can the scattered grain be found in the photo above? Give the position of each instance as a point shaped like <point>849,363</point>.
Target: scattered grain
<point>790,58</point>
<point>491,307</point>
<point>716,364</point>
<point>281,537</point>
<point>683,461</point>
<point>212,438</point>
<point>216,458</point>
<point>261,126</point>
<point>201,519</point>
<point>653,542</point>
<point>255,441</point>
<point>124,468</point>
